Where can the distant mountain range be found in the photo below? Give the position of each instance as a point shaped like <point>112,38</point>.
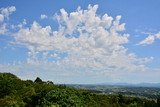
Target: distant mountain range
<point>133,85</point>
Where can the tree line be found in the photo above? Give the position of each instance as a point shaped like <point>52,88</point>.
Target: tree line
<point>15,92</point>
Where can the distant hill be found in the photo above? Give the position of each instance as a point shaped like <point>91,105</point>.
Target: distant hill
<point>148,84</point>
<point>156,85</point>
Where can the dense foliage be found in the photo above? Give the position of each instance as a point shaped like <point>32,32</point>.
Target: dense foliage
<point>15,92</point>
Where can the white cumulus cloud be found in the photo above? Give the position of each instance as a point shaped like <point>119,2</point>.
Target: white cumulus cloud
<point>43,16</point>
<point>87,39</point>
<point>4,14</point>
<point>7,11</point>
<point>150,39</point>
<point>3,29</point>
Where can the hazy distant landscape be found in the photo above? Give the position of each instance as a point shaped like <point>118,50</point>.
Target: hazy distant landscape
<point>150,91</point>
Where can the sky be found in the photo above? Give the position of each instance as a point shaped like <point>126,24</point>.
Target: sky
<point>81,41</point>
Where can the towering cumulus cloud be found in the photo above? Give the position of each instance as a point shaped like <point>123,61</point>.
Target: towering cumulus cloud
<point>83,40</point>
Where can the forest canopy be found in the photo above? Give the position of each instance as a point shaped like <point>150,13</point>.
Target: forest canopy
<point>15,92</point>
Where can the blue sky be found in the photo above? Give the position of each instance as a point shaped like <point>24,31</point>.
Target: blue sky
<point>58,41</point>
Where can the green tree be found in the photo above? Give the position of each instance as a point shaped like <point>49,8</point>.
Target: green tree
<point>38,80</point>
<point>158,101</point>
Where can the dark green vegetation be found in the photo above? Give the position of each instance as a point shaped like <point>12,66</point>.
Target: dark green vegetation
<point>15,92</point>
